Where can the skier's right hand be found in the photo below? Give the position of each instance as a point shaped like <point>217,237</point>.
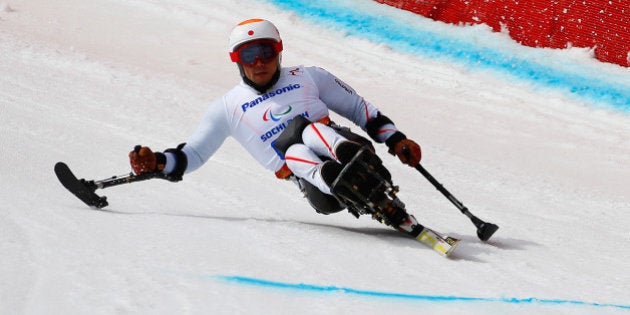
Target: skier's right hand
<point>143,160</point>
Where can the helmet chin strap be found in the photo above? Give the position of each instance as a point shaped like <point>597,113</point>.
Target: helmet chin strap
<point>260,88</point>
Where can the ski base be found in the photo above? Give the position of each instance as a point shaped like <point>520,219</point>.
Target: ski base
<point>444,245</point>
<point>82,189</point>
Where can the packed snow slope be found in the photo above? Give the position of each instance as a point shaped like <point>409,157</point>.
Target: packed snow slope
<point>85,81</point>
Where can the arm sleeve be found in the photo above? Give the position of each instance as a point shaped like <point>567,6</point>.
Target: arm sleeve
<point>205,140</point>
<point>344,100</point>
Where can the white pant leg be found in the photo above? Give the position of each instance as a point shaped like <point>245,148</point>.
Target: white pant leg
<point>322,139</point>
<point>304,163</point>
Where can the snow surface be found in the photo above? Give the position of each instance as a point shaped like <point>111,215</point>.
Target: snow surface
<point>84,81</point>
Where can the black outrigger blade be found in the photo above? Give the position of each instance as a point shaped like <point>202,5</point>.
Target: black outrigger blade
<point>484,229</point>
<point>85,189</point>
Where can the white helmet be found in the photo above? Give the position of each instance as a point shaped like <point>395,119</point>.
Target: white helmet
<point>253,29</point>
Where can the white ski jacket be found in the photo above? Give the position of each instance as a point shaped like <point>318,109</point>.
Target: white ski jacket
<point>255,120</point>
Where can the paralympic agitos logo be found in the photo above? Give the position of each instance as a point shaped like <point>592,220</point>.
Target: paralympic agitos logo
<point>269,95</point>
<point>269,115</point>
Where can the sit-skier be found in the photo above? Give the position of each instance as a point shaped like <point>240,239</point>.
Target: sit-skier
<point>281,116</point>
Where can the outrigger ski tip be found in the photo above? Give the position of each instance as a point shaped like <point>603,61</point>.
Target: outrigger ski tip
<point>81,188</point>
<point>484,229</point>
<point>85,189</point>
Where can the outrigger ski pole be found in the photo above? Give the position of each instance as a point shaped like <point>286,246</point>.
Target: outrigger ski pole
<point>484,229</point>
<point>85,189</point>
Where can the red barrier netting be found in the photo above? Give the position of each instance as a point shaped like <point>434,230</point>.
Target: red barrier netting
<point>603,24</point>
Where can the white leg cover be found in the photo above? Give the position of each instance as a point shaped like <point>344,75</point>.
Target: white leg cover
<point>304,163</point>
<point>322,139</point>
<point>303,159</point>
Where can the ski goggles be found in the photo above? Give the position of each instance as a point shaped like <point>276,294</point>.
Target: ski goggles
<point>264,50</point>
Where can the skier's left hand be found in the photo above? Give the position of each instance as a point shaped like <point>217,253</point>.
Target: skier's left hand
<point>408,151</point>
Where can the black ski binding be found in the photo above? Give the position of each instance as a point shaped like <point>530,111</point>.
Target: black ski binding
<point>365,186</point>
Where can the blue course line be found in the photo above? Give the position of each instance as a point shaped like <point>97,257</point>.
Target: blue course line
<point>432,298</point>
<point>406,38</point>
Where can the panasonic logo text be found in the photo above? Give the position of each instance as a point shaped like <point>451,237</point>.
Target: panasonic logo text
<point>269,95</point>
